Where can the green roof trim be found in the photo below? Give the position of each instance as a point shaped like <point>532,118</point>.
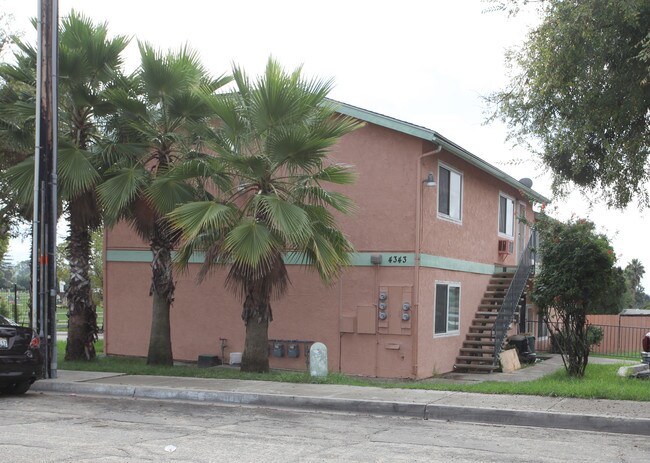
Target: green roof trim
<point>433,136</point>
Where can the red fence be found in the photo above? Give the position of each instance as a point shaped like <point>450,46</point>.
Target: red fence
<point>618,340</point>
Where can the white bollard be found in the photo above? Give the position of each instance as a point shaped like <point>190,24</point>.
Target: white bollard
<point>318,359</point>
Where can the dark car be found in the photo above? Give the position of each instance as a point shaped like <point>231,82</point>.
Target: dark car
<point>20,357</point>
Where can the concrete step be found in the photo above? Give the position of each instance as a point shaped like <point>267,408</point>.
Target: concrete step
<point>468,368</point>
<point>488,314</point>
<point>487,331</point>
<point>492,300</point>
<point>495,294</point>
<point>474,359</point>
<point>477,350</point>
<point>503,275</point>
<point>498,287</point>
<point>485,307</point>
<point>478,323</point>
<point>474,342</point>
<point>482,335</point>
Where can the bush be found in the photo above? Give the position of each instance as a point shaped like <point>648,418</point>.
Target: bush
<point>595,334</point>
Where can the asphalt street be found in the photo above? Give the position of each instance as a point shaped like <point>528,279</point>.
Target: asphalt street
<point>52,427</point>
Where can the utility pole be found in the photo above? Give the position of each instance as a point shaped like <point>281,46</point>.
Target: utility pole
<point>45,183</point>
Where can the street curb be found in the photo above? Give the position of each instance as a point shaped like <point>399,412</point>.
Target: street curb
<point>427,411</point>
<point>540,419</point>
<point>237,398</point>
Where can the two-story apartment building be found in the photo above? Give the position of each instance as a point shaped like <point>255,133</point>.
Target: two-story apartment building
<point>434,222</point>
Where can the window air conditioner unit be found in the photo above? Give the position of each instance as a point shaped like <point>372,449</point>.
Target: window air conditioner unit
<point>504,247</point>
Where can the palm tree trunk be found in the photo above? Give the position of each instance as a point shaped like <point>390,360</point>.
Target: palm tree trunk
<point>162,290</point>
<point>256,315</point>
<point>82,313</point>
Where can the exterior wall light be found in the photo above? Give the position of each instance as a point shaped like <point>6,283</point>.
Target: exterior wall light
<point>429,181</point>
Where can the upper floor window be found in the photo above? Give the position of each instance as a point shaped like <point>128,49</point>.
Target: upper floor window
<point>506,216</point>
<point>450,193</point>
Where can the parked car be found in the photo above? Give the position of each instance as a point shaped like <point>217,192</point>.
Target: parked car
<point>21,362</point>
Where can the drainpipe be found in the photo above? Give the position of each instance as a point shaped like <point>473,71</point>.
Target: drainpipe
<point>416,277</point>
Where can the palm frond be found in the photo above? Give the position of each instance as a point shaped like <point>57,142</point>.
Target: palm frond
<point>316,195</point>
<point>288,220</point>
<point>340,174</point>
<point>76,171</point>
<point>20,178</point>
<point>202,217</point>
<point>251,244</point>
<point>329,251</point>
<point>165,192</point>
<point>120,190</point>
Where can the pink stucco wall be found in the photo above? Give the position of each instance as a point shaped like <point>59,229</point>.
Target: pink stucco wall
<point>343,316</point>
<point>476,238</point>
<point>385,163</point>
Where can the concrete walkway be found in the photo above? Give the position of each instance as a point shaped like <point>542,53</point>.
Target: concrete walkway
<point>580,414</point>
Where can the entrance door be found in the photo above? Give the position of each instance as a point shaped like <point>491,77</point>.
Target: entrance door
<point>521,230</point>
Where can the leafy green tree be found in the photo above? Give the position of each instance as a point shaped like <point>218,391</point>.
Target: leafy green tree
<point>4,244</point>
<point>23,275</point>
<point>6,20</point>
<point>154,136</point>
<point>581,92</point>
<point>97,265</point>
<point>576,277</point>
<point>617,297</point>
<point>89,66</point>
<point>6,275</point>
<point>272,142</point>
<point>16,140</point>
<point>62,263</point>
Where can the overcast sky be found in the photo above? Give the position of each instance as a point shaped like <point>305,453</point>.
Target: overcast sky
<point>425,62</point>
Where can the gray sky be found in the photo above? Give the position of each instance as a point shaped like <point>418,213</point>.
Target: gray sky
<point>425,62</point>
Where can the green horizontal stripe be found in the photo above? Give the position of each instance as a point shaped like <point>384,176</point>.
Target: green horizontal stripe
<point>447,263</point>
<point>359,259</point>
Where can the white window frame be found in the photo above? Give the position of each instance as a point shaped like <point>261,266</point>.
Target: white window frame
<point>442,215</point>
<point>449,284</point>
<point>512,217</point>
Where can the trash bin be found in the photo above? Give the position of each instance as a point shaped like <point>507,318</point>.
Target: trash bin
<point>645,355</point>
<point>525,346</point>
<point>531,343</point>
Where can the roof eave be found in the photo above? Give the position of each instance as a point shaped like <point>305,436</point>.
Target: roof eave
<point>433,136</point>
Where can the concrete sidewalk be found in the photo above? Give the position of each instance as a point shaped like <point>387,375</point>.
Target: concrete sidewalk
<point>580,414</point>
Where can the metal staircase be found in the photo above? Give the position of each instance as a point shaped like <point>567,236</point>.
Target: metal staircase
<point>487,334</point>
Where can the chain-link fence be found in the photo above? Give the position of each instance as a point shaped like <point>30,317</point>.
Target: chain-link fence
<point>15,306</point>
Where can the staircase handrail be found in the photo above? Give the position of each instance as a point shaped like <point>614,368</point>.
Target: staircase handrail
<point>511,300</point>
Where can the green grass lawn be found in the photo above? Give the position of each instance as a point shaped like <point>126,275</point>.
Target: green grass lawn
<point>600,381</point>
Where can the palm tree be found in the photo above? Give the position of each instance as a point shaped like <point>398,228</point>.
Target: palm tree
<point>634,272</point>
<point>16,145</point>
<point>155,140</point>
<point>89,65</point>
<point>272,143</point>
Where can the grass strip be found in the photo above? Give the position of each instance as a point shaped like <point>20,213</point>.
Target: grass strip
<point>599,382</point>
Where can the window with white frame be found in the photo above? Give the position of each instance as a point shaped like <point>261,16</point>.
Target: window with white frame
<point>447,308</point>
<point>450,193</point>
<point>506,216</point>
